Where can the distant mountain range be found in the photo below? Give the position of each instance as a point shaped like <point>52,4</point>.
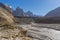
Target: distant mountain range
<point>51,17</point>
<point>19,12</point>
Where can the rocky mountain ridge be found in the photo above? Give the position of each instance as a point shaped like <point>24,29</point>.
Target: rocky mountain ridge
<point>54,13</point>
<point>20,12</point>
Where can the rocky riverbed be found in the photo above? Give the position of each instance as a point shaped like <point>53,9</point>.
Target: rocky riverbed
<point>8,32</point>
<point>30,32</point>
<point>42,31</point>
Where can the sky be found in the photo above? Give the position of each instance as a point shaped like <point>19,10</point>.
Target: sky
<point>38,7</point>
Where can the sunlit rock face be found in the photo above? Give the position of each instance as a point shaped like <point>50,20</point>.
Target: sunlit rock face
<point>5,15</point>
<point>14,33</point>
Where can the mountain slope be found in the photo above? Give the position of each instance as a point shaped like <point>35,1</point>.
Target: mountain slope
<point>5,15</point>
<point>54,13</point>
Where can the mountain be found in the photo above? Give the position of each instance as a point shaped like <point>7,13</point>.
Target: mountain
<point>7,7</point>
<point>51,17</point>
<point>20,12</point>
<point>29,14</point>
<point>54,13</point>
<point>5,14</point>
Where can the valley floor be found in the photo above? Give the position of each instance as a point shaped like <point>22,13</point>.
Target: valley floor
<point>42,31</point>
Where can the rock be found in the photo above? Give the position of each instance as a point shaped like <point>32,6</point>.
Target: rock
<point>6,16</point>
<point>13,34</point>
<point>42,32</point>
